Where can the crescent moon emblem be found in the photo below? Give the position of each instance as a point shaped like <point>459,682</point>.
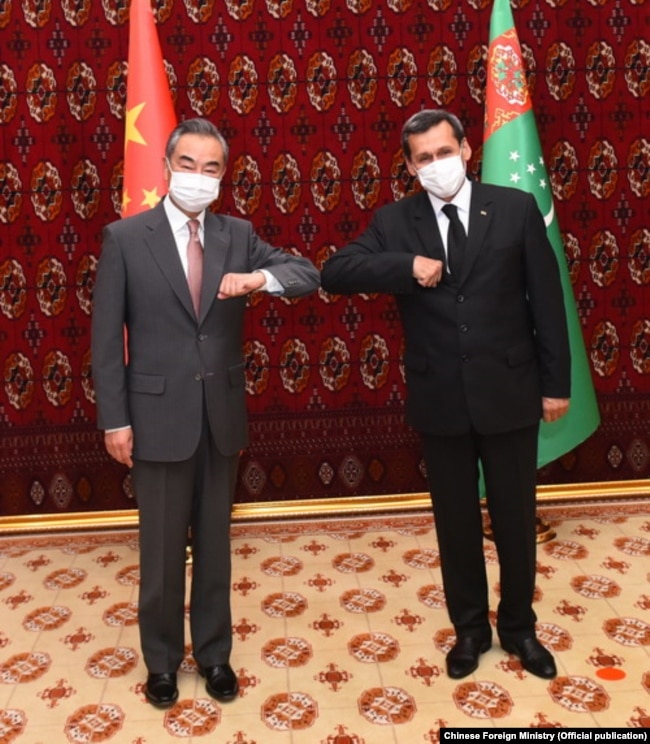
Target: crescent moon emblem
<point>548,218</point>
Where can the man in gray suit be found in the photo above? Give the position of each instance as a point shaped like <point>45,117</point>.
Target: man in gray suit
<point>173,406</point>
<point>486,356</point>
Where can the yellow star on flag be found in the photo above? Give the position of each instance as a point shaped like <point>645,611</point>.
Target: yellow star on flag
<point>132,133</point>
<point>151,197</point>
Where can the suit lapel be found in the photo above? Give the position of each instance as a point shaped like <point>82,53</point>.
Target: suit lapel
<point>426,226</point>
<point>216,247</point>
<point>480,217</point>
<point>162,245</point>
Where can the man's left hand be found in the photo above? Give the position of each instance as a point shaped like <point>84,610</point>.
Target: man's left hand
<point>554,408</point>
<point>236,285</point>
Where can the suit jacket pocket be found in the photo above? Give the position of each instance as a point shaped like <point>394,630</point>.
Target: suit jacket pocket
<point>520,354</point>
<point>150,384</point>
<point>236,375</point>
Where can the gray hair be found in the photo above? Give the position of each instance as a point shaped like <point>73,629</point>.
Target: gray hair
<point>424,120</point>
<point>196,126</point>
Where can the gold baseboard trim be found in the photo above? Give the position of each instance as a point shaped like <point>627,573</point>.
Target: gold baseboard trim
<point>310,508</point>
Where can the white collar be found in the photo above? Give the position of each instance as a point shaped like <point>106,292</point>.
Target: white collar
<point>177,218</point>
<point>461,200</point>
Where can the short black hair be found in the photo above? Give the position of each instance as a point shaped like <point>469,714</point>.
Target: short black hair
<point>424,120</point>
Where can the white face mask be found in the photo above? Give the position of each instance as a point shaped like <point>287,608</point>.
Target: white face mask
<point>193,192</point>
<point>443,178</point>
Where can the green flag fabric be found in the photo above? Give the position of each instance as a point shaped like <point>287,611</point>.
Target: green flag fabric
<point>512,156</point>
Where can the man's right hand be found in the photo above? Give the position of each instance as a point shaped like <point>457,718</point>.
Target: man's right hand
<point>119,445</point>
<point>427,271</point>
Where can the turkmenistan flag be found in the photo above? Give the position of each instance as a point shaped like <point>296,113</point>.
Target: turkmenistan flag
<point>512,156</point>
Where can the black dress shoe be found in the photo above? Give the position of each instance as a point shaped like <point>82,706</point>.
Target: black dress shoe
<point>220,682</point>
<point>533,656</point>
<point>160,690</point>
<point>463,657</point>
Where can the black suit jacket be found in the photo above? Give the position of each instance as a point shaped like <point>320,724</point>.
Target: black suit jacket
<point>481,352</point>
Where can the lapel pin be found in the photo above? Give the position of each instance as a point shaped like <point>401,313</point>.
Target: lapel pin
<point>483,212</point>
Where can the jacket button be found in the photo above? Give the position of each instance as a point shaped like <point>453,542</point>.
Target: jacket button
<point>465,358</point>
<point>202,336</point>
<point>464,328</point>
<point>197,377</point>
<point>460,298</point>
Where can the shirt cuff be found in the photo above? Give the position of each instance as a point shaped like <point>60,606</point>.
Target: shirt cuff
<point>272,286</point>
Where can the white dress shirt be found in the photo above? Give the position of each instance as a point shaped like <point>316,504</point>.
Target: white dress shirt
<point>461,201</point>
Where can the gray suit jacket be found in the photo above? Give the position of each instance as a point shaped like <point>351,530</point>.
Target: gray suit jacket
<point>174,362</point>
<point>483,351</point>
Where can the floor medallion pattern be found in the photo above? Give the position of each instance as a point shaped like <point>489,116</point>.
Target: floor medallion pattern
<point>340,633</point>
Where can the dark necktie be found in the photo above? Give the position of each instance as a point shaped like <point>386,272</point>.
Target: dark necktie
<point>456,241</point>
<point>194,264</point>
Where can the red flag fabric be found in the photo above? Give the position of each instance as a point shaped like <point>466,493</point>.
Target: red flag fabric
<point>150,115</point>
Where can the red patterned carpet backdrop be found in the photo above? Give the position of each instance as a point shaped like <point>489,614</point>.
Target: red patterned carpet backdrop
<point>311,95</point>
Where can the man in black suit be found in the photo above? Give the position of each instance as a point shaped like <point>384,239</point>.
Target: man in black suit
<point>486,357</point>
<point>177,278</point>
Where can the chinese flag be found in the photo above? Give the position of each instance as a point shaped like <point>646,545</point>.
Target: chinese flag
<point>150,115</point>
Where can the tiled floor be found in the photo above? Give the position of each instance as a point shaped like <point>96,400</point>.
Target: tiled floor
<point>340,635</point>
